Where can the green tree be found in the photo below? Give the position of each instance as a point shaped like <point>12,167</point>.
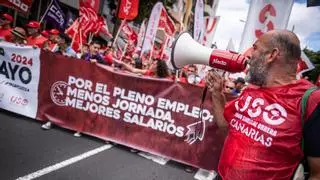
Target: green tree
<point>314,57</point>
<point>145,8</point>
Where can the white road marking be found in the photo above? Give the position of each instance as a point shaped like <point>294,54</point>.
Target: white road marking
<point>64,163</point>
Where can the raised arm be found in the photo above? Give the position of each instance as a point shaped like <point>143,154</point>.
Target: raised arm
<point>214,83</point>
<point>130,68</point>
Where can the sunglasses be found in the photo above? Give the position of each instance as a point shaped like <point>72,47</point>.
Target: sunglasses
<point>231,88</point>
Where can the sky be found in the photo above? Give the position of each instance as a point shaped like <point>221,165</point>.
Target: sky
<point>233,14</point>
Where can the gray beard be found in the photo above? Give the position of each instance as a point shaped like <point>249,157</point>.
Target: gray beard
<point>258,73</point>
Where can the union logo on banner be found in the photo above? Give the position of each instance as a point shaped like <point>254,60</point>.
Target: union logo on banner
<point>264,16</point>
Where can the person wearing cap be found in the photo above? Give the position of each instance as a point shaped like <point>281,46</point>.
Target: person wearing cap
<point>5,27</point>
<point>35,38</point>
<point>45,33</point>
<point>239,84</point>
<point>19,36</point>
<point>52,43</point>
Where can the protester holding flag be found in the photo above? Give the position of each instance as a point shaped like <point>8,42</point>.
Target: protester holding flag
<point>265,122</point>
<point>54,38</point>
<point>35,38</point>
<point>5,27</point>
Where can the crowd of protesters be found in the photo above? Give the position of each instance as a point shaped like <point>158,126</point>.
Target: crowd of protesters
<point>231,164</point>
<point>95,52</point>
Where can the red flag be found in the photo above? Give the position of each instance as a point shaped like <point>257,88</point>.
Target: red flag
<point>93,4</point>
<point>74,33</point>
<point>129,32</point>
<point>128,9</point>
<point>166,23</point>
<point>21,5</point>
<point>88,22</point>
<point>118,54</point>
<point>104,28</point>
<point>304,65</point>
<point>131,37</point>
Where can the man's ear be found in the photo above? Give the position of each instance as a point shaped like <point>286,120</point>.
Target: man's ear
<point>274,54</point>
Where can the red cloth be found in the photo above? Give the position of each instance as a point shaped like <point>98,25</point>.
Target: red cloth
<point>5,34</point>
<point>183,80</point>
<point>128,12</point>
<point>51,45</point>
<point>264,139</point>
<point>36,41</point>
<point>108,59</point>
<point>149,73</point>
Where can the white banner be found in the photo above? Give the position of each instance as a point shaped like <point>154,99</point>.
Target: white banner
<point>211,24</point>
<point>198,27</point>
<point>263,16</point>
<point>230,46</point>
<point>19,78</point>
<point>141,34</point>
<point>304,65</point>
<point>152,27</point>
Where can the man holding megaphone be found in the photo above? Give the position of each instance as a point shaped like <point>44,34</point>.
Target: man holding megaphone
<point>267,121</point>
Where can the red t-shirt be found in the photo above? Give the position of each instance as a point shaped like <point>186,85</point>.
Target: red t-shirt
<point>36,41</point>
<point>265,133</point>
<point>108,59</point>
<point>5,34</point>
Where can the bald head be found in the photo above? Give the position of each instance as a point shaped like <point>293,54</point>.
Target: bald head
<point>286,41</point>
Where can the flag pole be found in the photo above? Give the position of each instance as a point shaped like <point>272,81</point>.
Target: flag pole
<point>124,51</point>
<point>73,38</point>
<point>42,18</point>
<point>152,44</point>
<point>115,39</point>
<point>81,43</point>
<point>164,47</point>
<point>75,34</point>
<point>144,36</point>
<point>39,10</point>
<point>15,15</point>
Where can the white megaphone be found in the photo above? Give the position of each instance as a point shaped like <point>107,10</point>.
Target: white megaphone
<point>187,51</point>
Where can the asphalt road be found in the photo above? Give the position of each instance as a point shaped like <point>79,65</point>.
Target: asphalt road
<point>26,148</point>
